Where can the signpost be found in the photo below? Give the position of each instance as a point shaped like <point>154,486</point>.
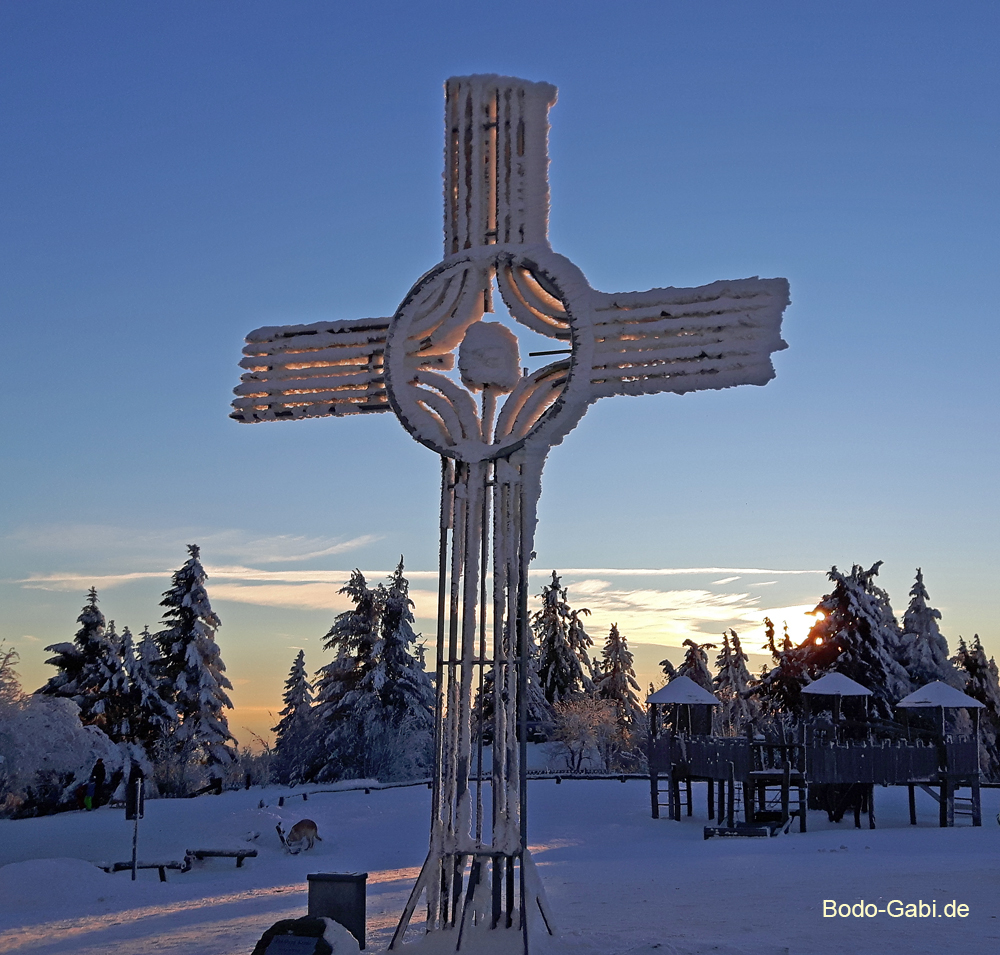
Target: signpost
<point>135,804</point>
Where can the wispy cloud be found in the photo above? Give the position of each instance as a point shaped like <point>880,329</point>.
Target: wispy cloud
<point>155,546</point>
<point>310,596</point>
<point>647,613</point>
<point>672,571</point>
<point>233,572</point>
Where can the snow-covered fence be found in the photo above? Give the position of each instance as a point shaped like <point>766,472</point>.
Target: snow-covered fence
<point>951,764</point>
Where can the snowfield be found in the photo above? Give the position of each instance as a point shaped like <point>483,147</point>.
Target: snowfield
<point>617,880</point>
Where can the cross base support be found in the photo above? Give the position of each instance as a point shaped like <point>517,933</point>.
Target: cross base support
<point>469,893</point>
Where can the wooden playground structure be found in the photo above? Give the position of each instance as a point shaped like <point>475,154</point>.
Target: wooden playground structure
<point>770,776</point>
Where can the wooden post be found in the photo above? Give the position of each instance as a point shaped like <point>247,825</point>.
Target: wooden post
<point>722,800</point>
<point>687,792</point>
<point>786,787</point>
<point>731,796</point>
<point>977,809</point>
<point>913,804</point>
<point>711,799</point>
<point>871,806</point>
<point>654,778</point>
<point>943,803</point>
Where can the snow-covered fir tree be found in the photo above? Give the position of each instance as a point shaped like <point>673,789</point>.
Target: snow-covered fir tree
<point>70,658</point>
<point>194,669</point>
<point>580,642</point>
<point>923,650</point>
<point>540,713</point>
<point>406,693</point>
<point>153,718</point>
<point>694,665</point>
<point>732,685</point>
<point>853,635</point>
<point>983,684</point>
<point>563,662</point>
<point>339,684</point>
<point>617,683</point>
<point>91,671</point>
<point>113,710</point>
<point>374,702</point>
<point>295,726</point>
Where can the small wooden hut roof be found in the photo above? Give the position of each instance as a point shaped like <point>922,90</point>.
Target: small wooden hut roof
<point>939,694</point>
<point>836,684</point>
<point>682,689</point>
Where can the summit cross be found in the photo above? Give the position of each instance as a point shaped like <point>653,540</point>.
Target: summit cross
<point>458,383</point>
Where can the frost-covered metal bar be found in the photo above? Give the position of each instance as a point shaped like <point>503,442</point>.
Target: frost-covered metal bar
<point>496,161</point>
<point>311,371</point>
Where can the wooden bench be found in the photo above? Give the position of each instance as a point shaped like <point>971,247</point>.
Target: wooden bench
<point>238,854</point>
<point>161,866</point>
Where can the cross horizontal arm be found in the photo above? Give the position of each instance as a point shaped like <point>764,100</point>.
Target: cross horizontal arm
<point>680,340</point>
<point>310,371</point>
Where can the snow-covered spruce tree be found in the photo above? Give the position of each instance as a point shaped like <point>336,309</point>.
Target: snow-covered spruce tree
<point>617,683</point>
<point>70,658</point>
<point>618,686</point>
<point>923,650</point>
<point>983,684</point>
<point>291,735</point>
<point>732,686</point>
<point>337,743</point>
<point>374,701</point>
<point>194,670</point>
<point>91,672</point>
<point>563,669</point>
<point>113,710</point>
<point>540,714</point>
<point>853,634</point>
<point>694,665</point>
<point>153,718</point>
<point>405,690</point>
<point>580,643</point>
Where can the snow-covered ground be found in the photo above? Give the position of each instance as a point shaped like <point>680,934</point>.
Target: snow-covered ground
<point>618,881</point>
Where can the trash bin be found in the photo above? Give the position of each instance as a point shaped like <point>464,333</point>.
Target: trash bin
<point>341,896</point>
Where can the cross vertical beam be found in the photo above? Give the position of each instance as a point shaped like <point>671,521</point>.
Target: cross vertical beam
<point>496,162</point>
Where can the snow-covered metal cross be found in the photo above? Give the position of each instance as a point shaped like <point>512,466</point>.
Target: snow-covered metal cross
<point>458,384</point>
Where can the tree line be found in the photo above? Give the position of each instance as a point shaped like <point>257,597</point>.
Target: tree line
<point>159,700</point>
<point>369,713</point>
<point>156,702</point>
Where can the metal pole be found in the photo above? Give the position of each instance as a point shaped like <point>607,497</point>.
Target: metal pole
<point>135,828</point>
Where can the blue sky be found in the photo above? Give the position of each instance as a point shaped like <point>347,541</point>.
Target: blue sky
<point>177,174</point>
